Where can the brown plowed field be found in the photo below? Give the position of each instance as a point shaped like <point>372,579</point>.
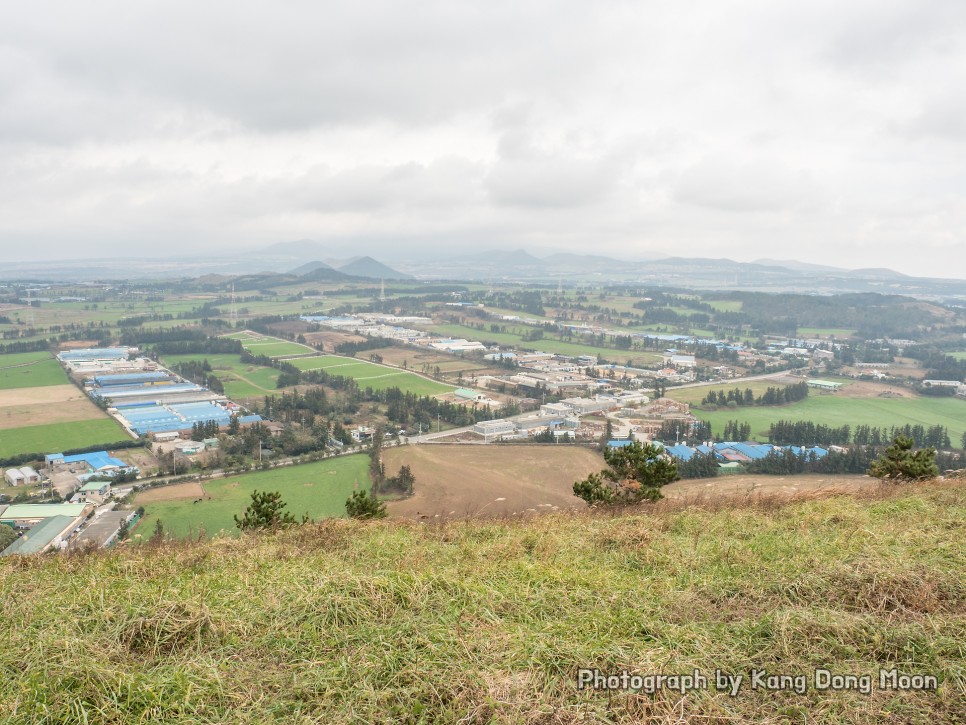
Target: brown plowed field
<point>172,493</point>
<point>46,404</point>
<point>454,481</point>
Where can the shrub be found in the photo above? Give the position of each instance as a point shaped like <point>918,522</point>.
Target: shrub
<point>360,505</point>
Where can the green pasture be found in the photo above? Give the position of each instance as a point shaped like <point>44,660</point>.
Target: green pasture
<point>836,411</point>
<point>275,348</point>
<point>726,305</point>
<point>317,489</point>
<point>110,312</point>
<point>695,395</point>
<point>241,380</point>
<point>370,375</point>
<point>547,344</point>
<point>55,437</point>
<point>30,370</point>
<point>339,365</point>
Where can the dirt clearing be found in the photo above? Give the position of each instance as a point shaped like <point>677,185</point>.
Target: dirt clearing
<point>43,395</point>
<point>171,493</point>
<point>459,481</point>
<point>755,486</point>
<point>43,405</point>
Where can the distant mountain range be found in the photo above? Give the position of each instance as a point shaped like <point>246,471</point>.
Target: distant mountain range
<point>304,260</point>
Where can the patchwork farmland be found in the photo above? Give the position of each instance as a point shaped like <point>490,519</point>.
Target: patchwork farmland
<point>41,411</point>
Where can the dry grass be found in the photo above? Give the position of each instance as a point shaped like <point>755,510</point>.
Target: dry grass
<point>177,492</point>
<point>488,621</point>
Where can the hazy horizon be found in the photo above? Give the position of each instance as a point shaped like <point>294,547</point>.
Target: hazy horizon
<point>821,133</point>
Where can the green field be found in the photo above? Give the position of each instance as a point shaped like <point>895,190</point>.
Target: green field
<point>548,344</point>
<point>837,411</point>
<point>241,380</point>
<point>318,489</point>
<point>30,370</point>
<point>59,436</point>
<point>726,305</point>
<point>695,395</point>
<point>276,348</point>
<point>957,355</point>
<point>377,377</point>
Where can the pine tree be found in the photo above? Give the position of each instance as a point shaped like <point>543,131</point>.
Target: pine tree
<point>901,463</point>
<point>636,473</point>
<point>265,512</point>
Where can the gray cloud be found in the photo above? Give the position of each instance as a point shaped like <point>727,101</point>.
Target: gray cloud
<point>744,130</point>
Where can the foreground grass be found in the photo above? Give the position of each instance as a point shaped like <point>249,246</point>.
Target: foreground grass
<point>488,621</point>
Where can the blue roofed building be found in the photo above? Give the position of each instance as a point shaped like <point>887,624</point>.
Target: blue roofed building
<point>96,462</point>
<point>681,452</point>
<point>94,353</point>
<point>150,378</point>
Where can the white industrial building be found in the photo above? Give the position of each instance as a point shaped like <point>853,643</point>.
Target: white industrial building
<point>556,409</point>
<point>14,477</point>
<point>585,406</point>
<point>490,429</point>
<point>678,360</point>
<point>30,475</point>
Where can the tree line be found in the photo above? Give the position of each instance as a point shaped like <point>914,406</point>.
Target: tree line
<point>858,459</point>
<point>772,396</point>
<point>808,433</point>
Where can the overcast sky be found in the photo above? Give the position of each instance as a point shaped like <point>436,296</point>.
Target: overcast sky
<point>826,131</point>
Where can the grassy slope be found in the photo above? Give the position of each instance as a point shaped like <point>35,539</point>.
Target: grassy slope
<point>59,436</point>
<point>318,489</point>
<point>479,622</point>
